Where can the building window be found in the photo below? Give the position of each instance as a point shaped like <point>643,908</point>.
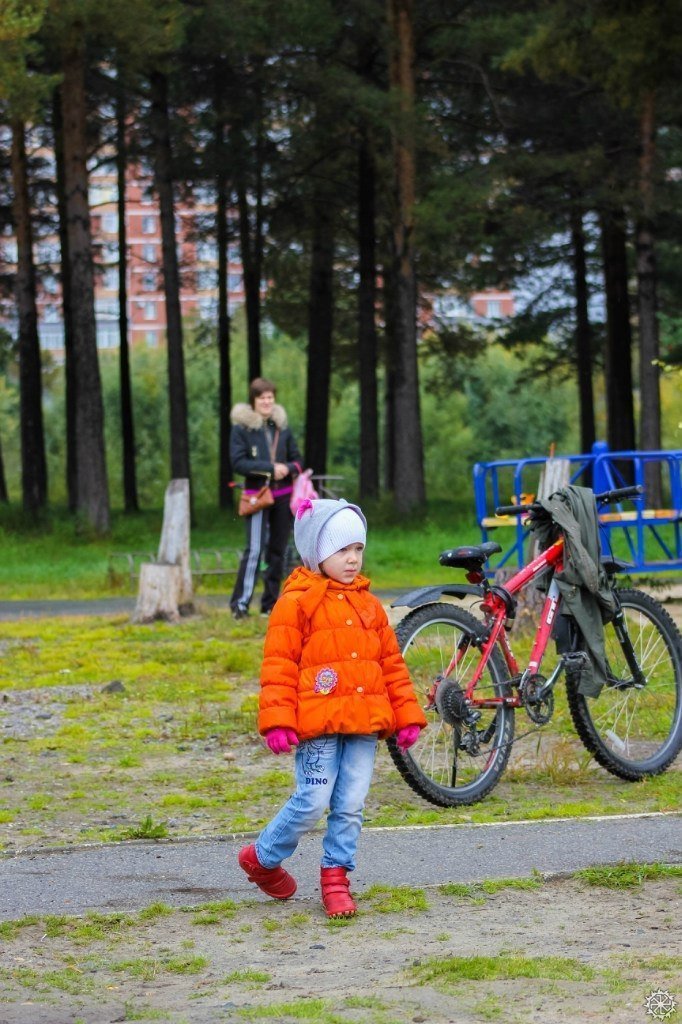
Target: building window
<point>106,307</point>
<point>50,314</point>
<point>10,252</point>
<point>493,308</point>
<point>149,282</point>
<point>51,336</point>
<point>109,252</point>
<point>107,335</point>
<point>110,223</point>
<point>110,279</point>
<point>207,252</point>
<point>234,282</point>
<point>48,252</point>
<point>149,225</point>
<point>149,253</point>
<point>208,309</point>
<point>150,338</point>
<point>206,280</point>
<point>150,311</point>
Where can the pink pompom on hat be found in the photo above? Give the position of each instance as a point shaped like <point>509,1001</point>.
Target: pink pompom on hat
<point>324,526</point>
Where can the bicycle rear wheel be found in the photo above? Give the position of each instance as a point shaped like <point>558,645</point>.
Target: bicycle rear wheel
<point>454,762</point>
<point>635,731</point>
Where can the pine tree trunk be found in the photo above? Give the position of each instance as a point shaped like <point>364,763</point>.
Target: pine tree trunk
<point>163,180</point>
<point>4,495</point>
<point>222,240</point>
<point>618,350</point>
<point>367,330</point>
<point>69,358</point>
<point>583,334</point>
<point>320,324</point>
<point>33,463</point>
<point>251,273</point>
<point>389,389</point>
<point>126,398</point>
<point>249,169</point>
<point>409,485</point>
<point>649,347</point>
<point>92,485</point>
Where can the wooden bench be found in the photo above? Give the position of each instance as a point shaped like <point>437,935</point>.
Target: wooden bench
<point>204,562</point>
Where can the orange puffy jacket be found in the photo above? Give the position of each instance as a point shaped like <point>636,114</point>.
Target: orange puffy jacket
<point>332,663</point>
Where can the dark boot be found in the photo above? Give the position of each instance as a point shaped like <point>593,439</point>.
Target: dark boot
<point>276,882</point>
<point>336,897</point>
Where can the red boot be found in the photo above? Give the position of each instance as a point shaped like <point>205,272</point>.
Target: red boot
<point>276,882</point>
<point>336,897</point>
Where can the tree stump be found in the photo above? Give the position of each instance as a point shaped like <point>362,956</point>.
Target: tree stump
<point>159,593</point>
<point>165,590</point>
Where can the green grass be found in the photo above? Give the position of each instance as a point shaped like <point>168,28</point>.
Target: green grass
<point>477,891</point>
<point>305,1008</point>
<point>627,874</point>
<point>148,968</point>
<point>386,899</point>
<point>51,560</point>
<point>445,972</point>
<point>247,977</point>
<point>176,749</point>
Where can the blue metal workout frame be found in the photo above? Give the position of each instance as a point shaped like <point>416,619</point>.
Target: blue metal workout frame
<point>607,470</point>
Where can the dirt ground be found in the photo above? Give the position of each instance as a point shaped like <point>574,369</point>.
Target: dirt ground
<point>562,952</point>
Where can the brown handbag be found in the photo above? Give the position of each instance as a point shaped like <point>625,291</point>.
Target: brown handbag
<point>255,501</point>
<point>251,503</point>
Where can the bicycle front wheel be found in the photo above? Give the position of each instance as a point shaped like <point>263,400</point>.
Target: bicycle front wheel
<point>454,762</point>
<point>634,731</point>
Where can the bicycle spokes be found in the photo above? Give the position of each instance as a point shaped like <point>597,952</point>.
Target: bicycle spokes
<point>459,758</point>
<point>634,726</point>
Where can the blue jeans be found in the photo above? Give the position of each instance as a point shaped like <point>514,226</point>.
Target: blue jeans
<point>331,772</point>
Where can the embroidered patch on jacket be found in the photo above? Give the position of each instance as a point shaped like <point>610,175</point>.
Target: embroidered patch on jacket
<point>326,680</point>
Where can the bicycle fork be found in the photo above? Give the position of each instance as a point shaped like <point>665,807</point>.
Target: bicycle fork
<point>639,680</point>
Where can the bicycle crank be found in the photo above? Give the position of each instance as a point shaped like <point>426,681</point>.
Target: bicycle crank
<point>539,706</point>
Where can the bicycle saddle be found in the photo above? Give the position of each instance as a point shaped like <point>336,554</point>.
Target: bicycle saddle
<point>469,557</point>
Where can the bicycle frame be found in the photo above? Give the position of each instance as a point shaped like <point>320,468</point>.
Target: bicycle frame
<point>626,705</point>
<point>497,605</point>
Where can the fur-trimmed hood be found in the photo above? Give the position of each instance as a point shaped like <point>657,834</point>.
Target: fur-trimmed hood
<point>243,415</point>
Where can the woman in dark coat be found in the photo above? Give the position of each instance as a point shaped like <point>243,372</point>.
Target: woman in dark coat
<point>263,449</point>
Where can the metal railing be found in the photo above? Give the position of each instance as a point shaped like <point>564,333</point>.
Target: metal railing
<point>650,538</point>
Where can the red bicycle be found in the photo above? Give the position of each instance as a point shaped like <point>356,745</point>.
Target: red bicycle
<point>465,671</point>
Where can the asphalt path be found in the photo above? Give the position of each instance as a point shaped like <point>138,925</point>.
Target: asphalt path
<point>129,876</point>
<point>28,609</point>
<point>12,611</point>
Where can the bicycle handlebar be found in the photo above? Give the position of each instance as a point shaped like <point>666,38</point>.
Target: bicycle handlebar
<point>606,498</point>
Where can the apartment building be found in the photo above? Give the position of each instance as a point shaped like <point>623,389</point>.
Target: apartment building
<point>197,259</point>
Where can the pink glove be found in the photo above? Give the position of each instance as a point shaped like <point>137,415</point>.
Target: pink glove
<point>281,740</point>
<point>406,736</point>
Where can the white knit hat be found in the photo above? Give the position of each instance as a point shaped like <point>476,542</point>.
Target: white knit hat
<point>324,526</point>
<point>344,528</point>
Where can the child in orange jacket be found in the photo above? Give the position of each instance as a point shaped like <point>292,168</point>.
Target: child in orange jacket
<point>333,683</point>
